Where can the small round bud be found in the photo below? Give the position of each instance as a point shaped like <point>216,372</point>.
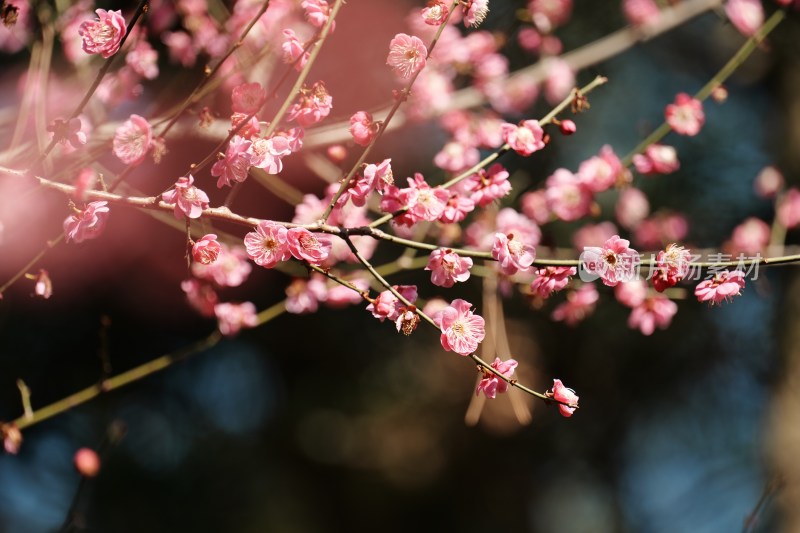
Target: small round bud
<point>337,153</point>
<point>719,94</point>
<point>87,463</point>
<point>568,127</point>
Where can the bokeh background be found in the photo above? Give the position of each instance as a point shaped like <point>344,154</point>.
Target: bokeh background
<point>332,422</point>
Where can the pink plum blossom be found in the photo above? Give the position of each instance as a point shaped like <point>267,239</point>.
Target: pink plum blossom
<point>788,208</point>
<point>534,205</point>
<point>103,36</point>
<point>435,13</point>
<point>672,265</point>
<point>746,15</point>
<point>568,198</point>
<point>248,98</point>
<point>632,293</point>
<point>268,244</point>
<point>685,116</point>
<point>307,246</point>
<point>447,267</point>
<point>68,131</point>
<point>233,167</point>
<point>456,209</point>
<point>362,128</point>
<point>189,200</point>
<point>132,140</point>
<point>143,59</point>
<point>525,138</point>
<point>750,237</point>
<point>722,287</point>
<point>657,159</point>
<point>475,12</point>
<point>462,330</point>
<point>267,153</point>
<point>231,268</point>
<point>614,262</point>
<point>303,296</point>
<point>317,12</point>
<point>407,54</point>
<point>206,250</point>
<point>768,182</point>
<point>232,317</point>
<point>560,79</point>
<point>488,185</point>
<point>632,207</point>
<point>560,393</point>
<point>87,223</point>
<point>294,50</point>
<point>313,105</point>
<point>455,157</point>
<point>600,172</point>
<point>580,304</point>
<point>512,254</point>
<point>652,313</point>
<point>387,305</point>
<point>549,14</point>
<point>491,384</point>
<point>551,279</point>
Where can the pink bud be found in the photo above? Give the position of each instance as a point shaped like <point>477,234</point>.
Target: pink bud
<point>87,463</point>
<point>568,127</point>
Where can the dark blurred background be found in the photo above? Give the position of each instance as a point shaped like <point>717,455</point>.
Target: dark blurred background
<point>332,422</point>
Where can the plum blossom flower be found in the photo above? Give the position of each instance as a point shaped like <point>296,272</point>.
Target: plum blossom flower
<point>248,98</point>
<point>579,305</point>
<point>304,245</point>
<point>407,54</point>
<point>632,207</point>
<point>143,59</point>
<point>560,393</point>
<point>68,131</point>
<point>303,296</point>
<point>788,208</point>
<point>232,317</point>
<point>600,172</point>
<point>491,384</point>
<point>456,209</point>
<point>207,249</point>
<point>314,104</point>
<point>231,268</point>
<point>657,159</point>
<point>475,12</point>
<point>435,13</point>
<point>87,223</point>
<point>525,138</point>
<point>425,202</point>
<point>387,305</point>
<point>267,153</point>
<point>362,128</point>
<point>721,288</point>
<point>103,36</point>
<point>615,261</point>
<point>268,244</point>
<point>551,279</point>
<point>447,267</point>
<point>685,116</point>
<point>233,167</point>
<point>132,140</point>
<point>746,15</point>
<point>567,197</point>
<point>488,185</point>
<point>549,14</point>
<point>750,237</point>
<point>294,50</point>
<point>672,265</point>
<point>768,182</point>
<point>462,330</point>
<point>512,254</point>
<point>654,312</point>
<point>201,296</point>
<point>317,13</point>
<point>189,200</point>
